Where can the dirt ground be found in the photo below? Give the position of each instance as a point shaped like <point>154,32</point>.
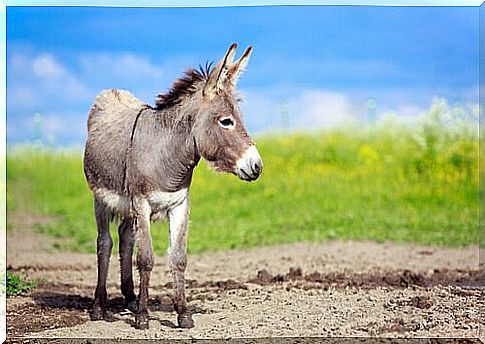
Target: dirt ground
<point>335,288</point>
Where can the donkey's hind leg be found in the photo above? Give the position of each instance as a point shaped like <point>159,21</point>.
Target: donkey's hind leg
<point>127,241</point>
<point>104,245</point>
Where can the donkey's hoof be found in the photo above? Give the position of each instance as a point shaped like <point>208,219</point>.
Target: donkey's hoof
<point>96,313</point>
<point>132,306</point>
<point>185,321</point>
<point>141,321</point>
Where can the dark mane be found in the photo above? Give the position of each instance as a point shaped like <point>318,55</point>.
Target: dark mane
<point>183,86</point>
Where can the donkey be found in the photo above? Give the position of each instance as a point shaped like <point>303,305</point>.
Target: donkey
<point>139,160</point>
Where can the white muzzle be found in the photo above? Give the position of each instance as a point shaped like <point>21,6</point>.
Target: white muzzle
<point>250,165</point>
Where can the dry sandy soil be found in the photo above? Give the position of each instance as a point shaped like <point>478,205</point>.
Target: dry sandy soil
<point>330,289</point>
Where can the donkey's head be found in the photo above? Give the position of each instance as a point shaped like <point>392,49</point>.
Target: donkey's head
<point>219,131</point>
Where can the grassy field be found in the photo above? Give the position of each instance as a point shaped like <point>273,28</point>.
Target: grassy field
<point>384,182</point>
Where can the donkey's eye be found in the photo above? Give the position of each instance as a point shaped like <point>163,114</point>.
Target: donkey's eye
<point>226,122</point>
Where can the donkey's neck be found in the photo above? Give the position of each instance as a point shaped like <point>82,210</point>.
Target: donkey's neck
<point>179,116</point>
<point>179,152</point>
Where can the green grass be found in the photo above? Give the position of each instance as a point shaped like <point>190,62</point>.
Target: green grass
<point>379,183</point>
<point>17,285</point>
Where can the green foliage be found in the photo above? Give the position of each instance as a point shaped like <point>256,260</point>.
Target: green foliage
<point>17,285</point>
<point>390,181</point>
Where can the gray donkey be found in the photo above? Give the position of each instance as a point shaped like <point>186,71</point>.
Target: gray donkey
<point>139,161</point>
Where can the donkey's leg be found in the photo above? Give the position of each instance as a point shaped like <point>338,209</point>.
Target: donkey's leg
<point>127,241</point>
<point>144,258</point>
<point>104,245</point>
<point>179,219</point>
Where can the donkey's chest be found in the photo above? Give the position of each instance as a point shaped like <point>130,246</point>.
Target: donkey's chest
<point>160,202</point>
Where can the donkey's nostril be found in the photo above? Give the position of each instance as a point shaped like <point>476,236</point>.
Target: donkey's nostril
<point>256,168</point>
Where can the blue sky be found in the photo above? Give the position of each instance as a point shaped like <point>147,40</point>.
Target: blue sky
<point>319,64</point>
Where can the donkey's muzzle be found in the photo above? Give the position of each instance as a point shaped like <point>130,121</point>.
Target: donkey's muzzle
<point>250,165</point>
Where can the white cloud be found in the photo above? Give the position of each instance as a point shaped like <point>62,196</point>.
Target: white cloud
<point>45,66</point>
<point>37,82</point>
<point>22,96</point>
<point>128,70</point>
<point>322,108</point>
<point>64,126</point>
<point>50,128</point>
<point>404,114</point>
<point>285,108</point>
<point>125,66</point>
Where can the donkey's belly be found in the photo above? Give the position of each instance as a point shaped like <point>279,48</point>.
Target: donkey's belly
<point>160,202</point>
<point>116,203</point>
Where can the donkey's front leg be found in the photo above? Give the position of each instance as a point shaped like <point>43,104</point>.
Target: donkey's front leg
<point>104,245</point>
<point>144,258</point>
<point>179,219</point>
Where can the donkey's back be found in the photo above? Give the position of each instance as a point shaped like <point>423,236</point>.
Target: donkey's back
<point>110,124</point>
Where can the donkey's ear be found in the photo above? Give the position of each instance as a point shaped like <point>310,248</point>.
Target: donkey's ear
<point>219,74</point>
<point>238,67</point>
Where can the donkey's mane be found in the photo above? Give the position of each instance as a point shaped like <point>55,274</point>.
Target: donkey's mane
<point>184,85</point>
